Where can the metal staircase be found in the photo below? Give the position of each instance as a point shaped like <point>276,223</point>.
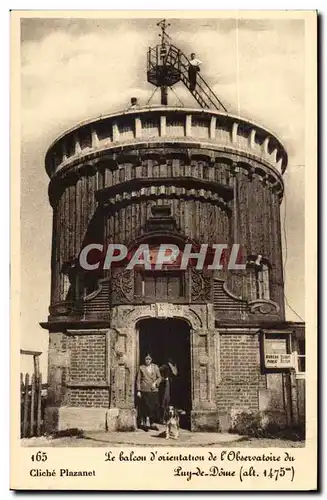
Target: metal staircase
<point>167,65</point>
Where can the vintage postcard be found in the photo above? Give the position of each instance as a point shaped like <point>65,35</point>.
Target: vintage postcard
<point>164,184</point>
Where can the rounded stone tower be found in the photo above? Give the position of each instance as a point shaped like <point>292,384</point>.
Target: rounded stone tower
<point>151,175</point>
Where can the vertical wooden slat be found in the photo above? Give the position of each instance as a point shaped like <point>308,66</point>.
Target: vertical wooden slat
<point>196,226</point>
<point>149,165</point>
<point>212,229</point>
<point>34,363</point>
<point>64,227</point>
<point>89,180</point>
<point>137,218</point>
<point>67,223</point>
<point>71,223</point>
<point>200,228</point>
<point>78,217</point>
<point>53,253</point>
<point>265,221</point>
<point>128,211</point>
<point>87,202</point>
<point>129,169</point>
<point>273,258</point>
<point>95,138</point>
<point>209,223</point>
<point>212,129</point>
<point>106,177</point>
<point>249,215</point>
<point>205,227</point>
<point>25,422</point>
<point>115,177</point>
<point>116,230</point>
<point>82,208</point>
<point>112,224</point>
<point>32,406</point>
<point>74,249</point>
<point>218,220</point>
<point>123,224</point>
<point>235,210</point>
<point>141,212</point>
<point>242,212</point>
<point>57,251</point>
<point>111,235</point>
<point>61,235</point>
<point>174,207</point>
<point>163,125</point>
<point>182,215</point>
<point>37,366</point>
<point>270,235</point>
<point>39,400</point>
<point>94,190</point>
<point>260,232</point>
<point>133,220</point>
<point>187,218</point>
<point>219,217</point>
<point>279,256</point>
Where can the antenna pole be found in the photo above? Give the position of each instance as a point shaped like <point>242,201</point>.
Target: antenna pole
<point>163,25</point>
<point>164,95</point>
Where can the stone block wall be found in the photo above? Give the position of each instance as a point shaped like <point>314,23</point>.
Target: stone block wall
<point>79,369</point>
<point>240,377</point>
<point>87,358</point>
<point>87,397</point>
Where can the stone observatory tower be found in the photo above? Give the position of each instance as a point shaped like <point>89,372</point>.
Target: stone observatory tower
<point>153,175</point>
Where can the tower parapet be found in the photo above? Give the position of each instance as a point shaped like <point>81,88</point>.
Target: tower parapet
<point>218,131</point>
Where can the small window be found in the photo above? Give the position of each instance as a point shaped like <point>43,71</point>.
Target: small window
<point>156,285</point>
<point>300,365</point>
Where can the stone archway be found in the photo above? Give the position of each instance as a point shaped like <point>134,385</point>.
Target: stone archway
<point>164,339</point>
<point>123,343</point>
<point>127,316</point>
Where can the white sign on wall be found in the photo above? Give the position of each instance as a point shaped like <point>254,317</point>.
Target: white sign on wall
<point>279,361</point>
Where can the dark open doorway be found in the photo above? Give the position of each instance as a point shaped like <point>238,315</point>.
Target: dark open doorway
<point>164,339</point>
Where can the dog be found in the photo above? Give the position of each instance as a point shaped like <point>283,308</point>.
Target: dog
<point>172,422</point>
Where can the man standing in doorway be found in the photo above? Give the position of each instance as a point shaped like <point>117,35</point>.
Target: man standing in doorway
<point>193,69</point>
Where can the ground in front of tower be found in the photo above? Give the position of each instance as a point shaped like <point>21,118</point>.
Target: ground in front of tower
<point>156,438</point>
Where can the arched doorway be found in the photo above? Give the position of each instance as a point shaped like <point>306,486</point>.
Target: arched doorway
<point>164,339</point>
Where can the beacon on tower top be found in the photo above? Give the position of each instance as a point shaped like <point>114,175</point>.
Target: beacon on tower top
<point>167,65</point>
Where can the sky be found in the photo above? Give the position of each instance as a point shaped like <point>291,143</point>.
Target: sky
<point>76,69</point>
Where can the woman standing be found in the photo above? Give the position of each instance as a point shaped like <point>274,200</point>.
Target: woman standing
<point>147,383</point>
